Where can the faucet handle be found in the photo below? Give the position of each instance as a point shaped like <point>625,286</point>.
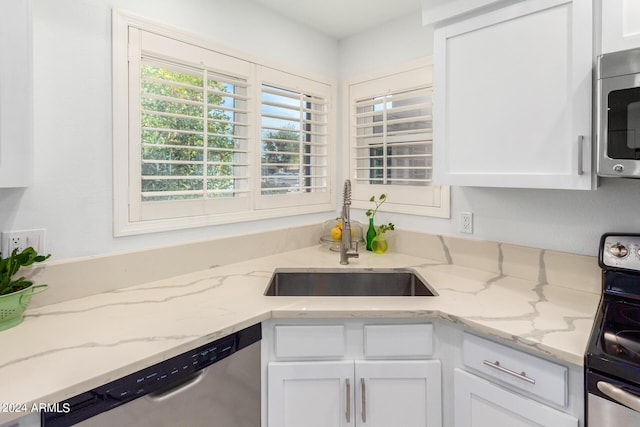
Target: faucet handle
<point>353,252</point>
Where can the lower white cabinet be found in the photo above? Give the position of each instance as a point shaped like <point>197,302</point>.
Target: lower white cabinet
<point>403,393</point>
<point>403,373</point>
<point>311,394</point>
<point>481,403</point>
<point>398,393</point>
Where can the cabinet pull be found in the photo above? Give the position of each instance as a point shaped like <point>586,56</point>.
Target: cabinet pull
<point>580,154</point>
<point>522,375</point>
<point>348,413</point>
<point>364,400</point>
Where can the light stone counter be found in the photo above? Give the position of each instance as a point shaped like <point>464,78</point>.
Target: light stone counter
<point>66,348</point>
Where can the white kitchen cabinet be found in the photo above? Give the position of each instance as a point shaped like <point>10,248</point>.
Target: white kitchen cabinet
<point>354,393</point>
<point>436,11</point>
<point>512,97</point>
<point>480,403</point>
<point>530,374</point>
<point>16,80</point>
<point>350,373</point>
<point>620,25</point>
<point>518,389</point>
<point>398,393</point>
<point>310,394</point>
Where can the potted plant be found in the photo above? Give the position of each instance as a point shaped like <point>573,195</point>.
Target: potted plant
<point>16,293</point>
<point>379,242</point>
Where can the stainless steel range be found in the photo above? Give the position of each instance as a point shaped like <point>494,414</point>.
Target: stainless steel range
<point>612,362</point>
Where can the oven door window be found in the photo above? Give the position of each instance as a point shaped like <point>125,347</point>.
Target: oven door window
<point>623,119</point>
<point>620,337</point>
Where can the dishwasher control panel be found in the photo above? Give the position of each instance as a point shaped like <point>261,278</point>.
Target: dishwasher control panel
<point>167,373</point>
<point>155,380</point>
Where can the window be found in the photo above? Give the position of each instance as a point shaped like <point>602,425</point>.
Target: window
<point>295,130</point>
<point>193,133</point>
<point>390,136</point>
<point>205,137</point>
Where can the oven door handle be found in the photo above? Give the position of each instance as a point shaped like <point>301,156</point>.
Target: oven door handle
<point>619,395</point>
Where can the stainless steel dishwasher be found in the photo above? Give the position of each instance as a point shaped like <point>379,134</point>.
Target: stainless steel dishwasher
<point>215,385</point>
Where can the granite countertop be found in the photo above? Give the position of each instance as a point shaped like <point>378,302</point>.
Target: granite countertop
<point>63,349</point>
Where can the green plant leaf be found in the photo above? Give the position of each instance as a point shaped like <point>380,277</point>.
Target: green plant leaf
<point>10,266</point>
<point>386,227</point>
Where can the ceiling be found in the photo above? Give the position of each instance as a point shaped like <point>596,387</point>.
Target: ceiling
<point>342,18</point>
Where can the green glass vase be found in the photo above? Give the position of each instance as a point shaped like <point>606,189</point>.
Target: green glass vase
<point>371,233</point>
<point>379,244</point>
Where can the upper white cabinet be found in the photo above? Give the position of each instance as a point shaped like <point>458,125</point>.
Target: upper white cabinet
<point>435,11</point>
<point>620,25</point>
<point>16,135</point>
<point>512,97</point>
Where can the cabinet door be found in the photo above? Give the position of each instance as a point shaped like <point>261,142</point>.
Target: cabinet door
<point>16,135</point>
<point>620,25</point>
<point>512,97</point>
<point>398,393</point>
<point>310,394</point>
<point>480,403</point>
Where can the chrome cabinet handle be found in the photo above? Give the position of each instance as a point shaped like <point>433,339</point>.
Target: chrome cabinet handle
<point>522,375</point>
<point>580,154</point>
<point>618,394</point>
<point>348,413</point>
<point>364,400</point>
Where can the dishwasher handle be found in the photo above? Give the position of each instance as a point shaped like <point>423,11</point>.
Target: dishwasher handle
<point>177,387</point>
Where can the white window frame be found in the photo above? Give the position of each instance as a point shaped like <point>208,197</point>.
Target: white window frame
<point>433,201</point>
<point>127,217</point>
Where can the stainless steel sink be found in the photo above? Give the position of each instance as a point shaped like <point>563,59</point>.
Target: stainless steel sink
<point>347,282</point>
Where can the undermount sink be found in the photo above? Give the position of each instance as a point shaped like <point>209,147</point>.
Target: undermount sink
<point>345,282</point>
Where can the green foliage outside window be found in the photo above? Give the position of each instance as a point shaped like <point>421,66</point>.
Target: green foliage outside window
<point>174,128</point>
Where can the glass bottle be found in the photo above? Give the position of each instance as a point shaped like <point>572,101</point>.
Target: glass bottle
<point>379,244</point>
<point>371,233</point>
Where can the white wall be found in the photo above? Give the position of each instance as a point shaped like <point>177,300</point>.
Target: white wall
<point>570,221</point>
<point>400,40</point>
<point>72,192</point>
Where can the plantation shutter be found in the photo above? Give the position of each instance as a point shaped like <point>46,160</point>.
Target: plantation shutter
<point>194,133</point>
<point>391,141</point>
<point>394,135</point>
<point>207,135</point>
<point>294,147</point>
<point>194,130</point>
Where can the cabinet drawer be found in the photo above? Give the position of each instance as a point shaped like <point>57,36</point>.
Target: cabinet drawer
<point>310,341</point>
<point>398,340</point>
<point>532,374</point>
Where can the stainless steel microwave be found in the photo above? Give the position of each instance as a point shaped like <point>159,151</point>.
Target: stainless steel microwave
<point>618,114</point>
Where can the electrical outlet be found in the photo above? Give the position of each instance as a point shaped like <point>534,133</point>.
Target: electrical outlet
<point>21,240</point>
<point>466,222</point>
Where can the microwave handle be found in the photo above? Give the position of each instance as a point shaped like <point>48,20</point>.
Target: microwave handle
<point>580,154</point>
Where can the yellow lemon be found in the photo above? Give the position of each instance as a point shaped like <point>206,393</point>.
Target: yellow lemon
<point>336,233</point>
